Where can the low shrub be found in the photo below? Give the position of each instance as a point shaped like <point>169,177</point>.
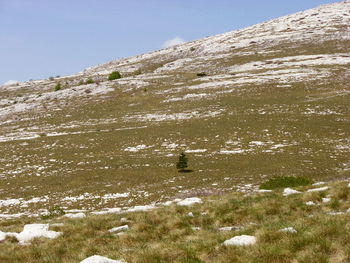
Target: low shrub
<point>114,75</point>
<point>285,181</point>
<point>138,72</point>
<point>58,86</point>
<point>90,81</point>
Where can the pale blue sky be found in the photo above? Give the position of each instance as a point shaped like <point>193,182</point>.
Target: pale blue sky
<point>42,38</point>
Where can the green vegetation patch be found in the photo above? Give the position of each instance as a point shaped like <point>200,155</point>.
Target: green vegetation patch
<point>90,81</point>
<point>285,181</point>
<point>58,86</point>
<point>114,75</point>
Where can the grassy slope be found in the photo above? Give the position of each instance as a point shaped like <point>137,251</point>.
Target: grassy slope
<point>81,159</point>
<point>167,234</point>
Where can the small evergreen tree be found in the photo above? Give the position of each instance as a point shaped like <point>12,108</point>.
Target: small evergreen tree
<point>114,75</point>
<point>182,163</point>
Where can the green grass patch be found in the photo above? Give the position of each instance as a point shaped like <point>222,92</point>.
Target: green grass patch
<point>285,181</point>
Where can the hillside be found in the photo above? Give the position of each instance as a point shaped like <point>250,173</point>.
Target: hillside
<point>273,100</point>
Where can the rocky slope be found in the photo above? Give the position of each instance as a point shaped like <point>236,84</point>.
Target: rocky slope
<point>273,100</point>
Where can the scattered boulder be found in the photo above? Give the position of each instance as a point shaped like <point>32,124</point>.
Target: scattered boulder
<point>119,229</point>
<point>318,183</point>
<point>114,210</point>
<point>2,236</point>
<point>75,215</point>
<point>318,189</point>
<point>326,200</point>
<point>288,230</point>
<point>32,231</point>
<point>100,259</point>
<point>123,220</point>
<point>167,203</point>
<point>290,191</point>
<point>264,191</point>
<point>310,203</point>
<point>229,228</point>
<point>335,213</point>
<point>190,201</point>
<point>243,240</point>
<point>140,208</point>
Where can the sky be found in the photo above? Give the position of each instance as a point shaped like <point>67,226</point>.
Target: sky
<point>43,38</point>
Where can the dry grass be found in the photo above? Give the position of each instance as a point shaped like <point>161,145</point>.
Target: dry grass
<point>167,234</point>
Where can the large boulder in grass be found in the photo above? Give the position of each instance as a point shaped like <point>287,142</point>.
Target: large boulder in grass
<point>2,236</point>
<point>32,231</point>
<point>243,240</point>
